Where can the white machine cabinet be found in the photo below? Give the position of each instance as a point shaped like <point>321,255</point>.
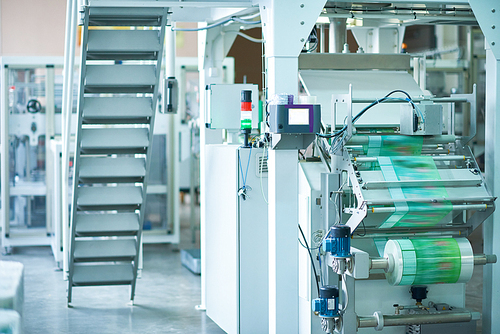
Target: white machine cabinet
<point>236,234</point>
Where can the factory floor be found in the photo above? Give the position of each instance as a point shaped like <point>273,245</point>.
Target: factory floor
<point>165,301</point>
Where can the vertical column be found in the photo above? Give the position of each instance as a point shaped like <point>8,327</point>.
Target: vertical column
<point>491,227</point>
<point>283,245</point>
<point>67,108</point>
<point>4,156</point>
<point>286,25</point>
<point>337,35</point>
<point>49,160</point>
<point>172,140</point>
<point>211,53</point>
<point>283,212</point>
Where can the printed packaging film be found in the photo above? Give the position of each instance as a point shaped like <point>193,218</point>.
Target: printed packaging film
<point>399,159</point>
<point>429,261</point>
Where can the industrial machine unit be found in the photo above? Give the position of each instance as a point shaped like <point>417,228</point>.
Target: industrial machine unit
<point>236,272</point>
<point>388,211</point>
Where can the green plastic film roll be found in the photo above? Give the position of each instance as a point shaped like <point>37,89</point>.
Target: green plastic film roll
<point>429,261</point>
<point>438,261</point>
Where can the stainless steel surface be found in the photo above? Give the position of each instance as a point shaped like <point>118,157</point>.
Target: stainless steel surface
<point>436,200</point>
<point>101,110</point>
<point>99,197</point>
<point>123,44</point>
<point>122,169</point>
<point>120,79</point>
<point>114,139</point>
<point>444,139</point>
<point>422,183</point>
<point>354,61</point>
<point>416,319</point>
<point>379,263</point>
<point>454,207</point>
<point>479,259</point>
<point>98,224</point>
<point>483,259</point>
<point>99,274</point>
<point>435,158</point>
<point>104,250</point>
<point>337,35</point>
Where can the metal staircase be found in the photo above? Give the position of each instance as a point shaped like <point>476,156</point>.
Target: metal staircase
<point>120,71</point>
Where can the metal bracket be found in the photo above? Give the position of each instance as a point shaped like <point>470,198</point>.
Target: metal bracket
<point>471,99</point>
<point>487,13</point>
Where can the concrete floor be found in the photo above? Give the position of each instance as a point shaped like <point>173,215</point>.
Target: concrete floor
<point>165,301</point>
<point>166,295</point>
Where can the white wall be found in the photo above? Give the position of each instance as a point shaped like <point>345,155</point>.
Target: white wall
<point>36,28</point>
<point>32,27</point>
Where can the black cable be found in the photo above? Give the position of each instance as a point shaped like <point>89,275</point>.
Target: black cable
<point>310,255</point>
<point>364,228</point>
<point>267,115</point>
<point>361,113</point>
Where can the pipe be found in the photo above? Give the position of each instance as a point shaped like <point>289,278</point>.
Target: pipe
<point>433,208</point>
<point>337,36</point>
<point>419,99</point>
<point>67,107</point>
<point>457,234</point>
<point>444,139</point>
<point>428,200</point>
<point>435,158</point>
<point>322,45</point>
<point>483,259</point>
<point>379,263</point>
<point>479,260</point>
<point>414,319</point>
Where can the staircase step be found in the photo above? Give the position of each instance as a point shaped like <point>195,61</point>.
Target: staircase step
<point>132,16</point>
<point>103,274</point>
<point>120,78</point>
<point>114,140</point>
<point>105,250</point>
<point>123,44</point>
<point>117,110</point>
<point>106,224</point>
<point>112,170</point>
<point>109,198</point>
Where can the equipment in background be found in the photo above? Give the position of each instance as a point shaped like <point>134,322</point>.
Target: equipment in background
<point>31,118</point>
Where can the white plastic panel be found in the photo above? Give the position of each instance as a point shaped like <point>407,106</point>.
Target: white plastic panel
<point>224,103</point>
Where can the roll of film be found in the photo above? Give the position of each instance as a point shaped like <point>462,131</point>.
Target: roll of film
<point>429,261</point>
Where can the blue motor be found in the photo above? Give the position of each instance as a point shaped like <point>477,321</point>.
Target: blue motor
<point>338,241</point>
<point>327,305</point>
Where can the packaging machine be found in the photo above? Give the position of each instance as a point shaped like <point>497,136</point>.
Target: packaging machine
<point>388,212</point>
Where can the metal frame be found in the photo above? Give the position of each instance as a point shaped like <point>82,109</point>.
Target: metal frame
<point>39,238</point>
<point>78,142</point>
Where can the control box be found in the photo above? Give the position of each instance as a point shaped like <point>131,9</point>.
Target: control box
<point>294,118</point>
<point>427,120</point>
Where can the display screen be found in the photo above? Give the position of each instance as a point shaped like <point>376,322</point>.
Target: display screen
<point>298,116</point>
